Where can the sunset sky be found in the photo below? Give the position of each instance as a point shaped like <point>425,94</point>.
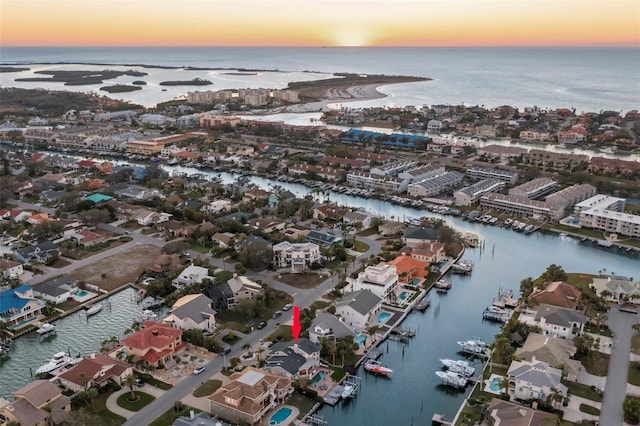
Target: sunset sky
<point>319,23</point>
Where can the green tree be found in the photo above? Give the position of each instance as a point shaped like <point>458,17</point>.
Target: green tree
<point>631,408</point>
<point>130,382</point>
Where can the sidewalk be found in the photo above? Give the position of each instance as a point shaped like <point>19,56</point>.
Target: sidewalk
<point>591,380</point>
<point>112,404</point>
<point>572,412</point>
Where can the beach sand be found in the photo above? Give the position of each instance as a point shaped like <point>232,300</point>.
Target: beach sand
<point>336,95</point>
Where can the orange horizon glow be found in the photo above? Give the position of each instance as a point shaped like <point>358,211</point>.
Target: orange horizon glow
<point>332,23</point>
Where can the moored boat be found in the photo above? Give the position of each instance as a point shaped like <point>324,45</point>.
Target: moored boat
<point>92,310</point>
<point>59,360</point>
<point>460,367</point>
<point>452,379</point>
<point>474,347</point>
<point>375,367</point>
<point>442,284</point>
<point>46,328</point>
<point>347,391</point>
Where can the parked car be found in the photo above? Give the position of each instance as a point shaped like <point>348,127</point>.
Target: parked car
<point>261,325</point>
<point>139,382</point>
<point>225,351</point>
<point>276,314</point>
<point>287,307</point>
<point>198,370</point>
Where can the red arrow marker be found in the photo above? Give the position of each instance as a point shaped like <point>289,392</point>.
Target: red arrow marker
<point>295,328</point>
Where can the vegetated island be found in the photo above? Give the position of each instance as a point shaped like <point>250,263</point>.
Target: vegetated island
<point>240,73</point>
<point>139,83</point>
<point>347,86</point>
<point>81,78</point>
<point>120,88</point>
<point>194,82</point>
<point>13,69</point>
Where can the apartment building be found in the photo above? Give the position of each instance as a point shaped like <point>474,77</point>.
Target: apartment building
<point>611,221</point>
<point>535,135</point>
<point>519,206</point>
<point>471,194</point>
<point>602,202</point>
<point>422,173</point>
<point>479,173</point>
<point>534,189</point>
<point>556,160</point>
<point>571,195</point>
<point>393,168</point>
<point>435,185</point>
<point>376,182</point>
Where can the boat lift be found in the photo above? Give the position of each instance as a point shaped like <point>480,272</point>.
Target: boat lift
<point>353,381</point>
<point>316,420</point>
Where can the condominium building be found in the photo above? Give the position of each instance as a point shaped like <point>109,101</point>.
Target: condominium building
<point>611,221</point>
<point>519,206</point>
<point>471,194</point>
<point>535,135</point>
<point>144,147</point>
<point>298,256</point>
<point>435,185</point>
<point>376,182</point>
<point>393,168</point>
<point>571,195</point>
<point>557,160</point>
<point>478,173</point>
<point>602,202</point>
<point>422,173</point>
<point>534,189</point>
<point>208,120</point>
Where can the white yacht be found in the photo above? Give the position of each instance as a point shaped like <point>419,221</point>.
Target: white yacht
<point>452,379</point>
<point>347,391</point>
<point>460,367</point>
<point>46,328</point>
<point>60,359</point>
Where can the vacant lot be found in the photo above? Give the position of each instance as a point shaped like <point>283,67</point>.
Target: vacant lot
<point>302,280</point>
<point>117,270</point>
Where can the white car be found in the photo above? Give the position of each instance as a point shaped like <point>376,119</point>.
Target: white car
<point>287,307</point>
<point>198,370</point>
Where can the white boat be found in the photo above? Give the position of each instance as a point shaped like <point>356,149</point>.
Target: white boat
<point>607,150</point>
<point>92,310</point>
<point>474,347</point>
<point>460,367</point>
<point>147,314</point>
<point>605,243</point>
<point>375,367</point>
<point>347,391</point>
<point>442,284</point>
<point>464,267</point>
<point>45,328</point>
<point>452,379</point>
<point>59,360</point>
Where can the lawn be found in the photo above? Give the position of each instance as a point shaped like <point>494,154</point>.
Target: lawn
<point>368,232</point>
<point>207,388</point>
<point>100,409</point>
<point>595,363</point>
<point>634,373</point>
<point>338,373</point>
<point>303,280</point>
<point>319,304</point>
<point>602,331</point>
<point>281,333</point>
<point>584,391</point>
<point>580,281</point>
<point>170,415</point>
<point>635,344</point>
<point>144,399</point>
<point>148,378</point>
<point>360,246</point>
<point>302,403</point>
<point>589,409</point>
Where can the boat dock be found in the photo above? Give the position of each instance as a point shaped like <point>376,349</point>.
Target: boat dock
<point>374,353</point>
<point>490,315</point>
<point>440,419</point>
<point>334,395</point>
<point>422,304</point>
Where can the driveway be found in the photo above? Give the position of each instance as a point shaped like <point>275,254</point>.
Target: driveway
<point>112,404</point>
<point>615,389</point>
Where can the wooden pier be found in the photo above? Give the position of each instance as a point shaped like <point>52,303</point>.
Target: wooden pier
<point>495,316</point>
<point>422,304</point>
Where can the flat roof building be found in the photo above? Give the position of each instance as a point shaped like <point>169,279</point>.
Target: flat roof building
<point>471,194</point>
<point>435,185</point>
<point>611,221</point>
<point>534,189</point>
<point>478,173</point>
<point>520,206</point>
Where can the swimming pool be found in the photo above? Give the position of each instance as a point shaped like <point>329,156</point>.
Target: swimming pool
<point>361,340</point>
<point>494,385</point>
<point>415,281</point>
<point>280,416</point>
<point>383,316</point>
<point>80,293</point>
<point>318,377</point>
<point>403,296</point>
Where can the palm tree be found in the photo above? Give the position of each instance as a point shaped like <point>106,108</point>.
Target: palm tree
<point>83,378</point>
<point>130,382</point>
<point>92,394</point>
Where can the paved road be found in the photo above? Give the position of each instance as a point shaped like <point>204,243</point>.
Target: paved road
<point>302,298</point>
<point>616,386</point>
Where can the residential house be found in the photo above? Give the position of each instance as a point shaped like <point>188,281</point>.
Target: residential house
<point>329,211</point>
<point>552,350</point>
<point>359,308</point>
<point>254,194</point>
<point>616,289</point>
<point>164,264</point>
<point>389,228</point>
<point>192,311</point>
<point>97,370</point>
<point>19,304</point>
<point>324,238</point>
<point>155,344</point>
<point>328,326</point>
<point>249,395</point>
<point>216,206</point>
<point>298,256</point>
<point>198,419</point>
<point>174,228</point>
<point>223,239</point>
<point>414,236</point>
<point>409,268</point>
<point>242,288</point>
<point>293,360</point>
<point>87,238</point>
<point>381,279</point>
<point>505,413</point>
<point>556,293</point>
<point>146,217</point>
<point>267,225</point>
<point>42,252</point>
<point>191,275</point>
<point>286,196</point>
<point>559,322</point>
<point>31,403</point>
<point>57,290</point>
<point>534,380</point>
<point>10,268</point>
<point>430,252</point>
<point>365,218</point>
<point>295,233</point>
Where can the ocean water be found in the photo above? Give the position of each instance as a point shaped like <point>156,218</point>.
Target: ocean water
<point>587,79</point>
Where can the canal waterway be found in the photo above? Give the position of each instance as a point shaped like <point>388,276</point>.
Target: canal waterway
<point>413,392</point>
<point>74,334</point>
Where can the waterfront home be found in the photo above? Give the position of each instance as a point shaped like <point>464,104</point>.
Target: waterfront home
<point>39,403</point>
<point>254,194</point>
<point>559,322</point>
<point>326,325</point>
<point>556,293</point>
<point>155,344</point>
<point>552,350</point>
<point>191,275</point>
<point>19,304</point>
<point>96,370</point>
<point>42,252</point>
<point>358,309</point>
<point>408,268</point>
<point>365,218</point>
<point>534,380</point>
<point>198,419</point>
<point>509,413</point>
<point>284,196</point>
<point>10,268</point>
<point>329,211</point>
<point>381,280</point>
<point>57,290</point>
<point>192,311</point>
<point>293,360</point>
<point>414,236</point>
<point>164,264</point>
<point>297,256</point>
<point>616,289</point>
<point>429,252</point>
<point>249,395</point>
<point>390,227</point>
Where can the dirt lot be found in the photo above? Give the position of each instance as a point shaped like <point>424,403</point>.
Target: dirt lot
<point>303,280</point>
<point>119,269</point>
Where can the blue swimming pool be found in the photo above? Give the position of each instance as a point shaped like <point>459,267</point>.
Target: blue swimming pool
<point>318,377</point>
<point>383,316</point>
<point>403,296</point>
<point>415,281</point>
<point>361,340</point>
<point>80,293</point>
<point>280,416</point>
<point>494,385</point>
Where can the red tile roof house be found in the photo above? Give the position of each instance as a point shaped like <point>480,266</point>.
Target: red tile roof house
<point>556,293</point>
<point>156,343</point>
<point>96,370</point>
